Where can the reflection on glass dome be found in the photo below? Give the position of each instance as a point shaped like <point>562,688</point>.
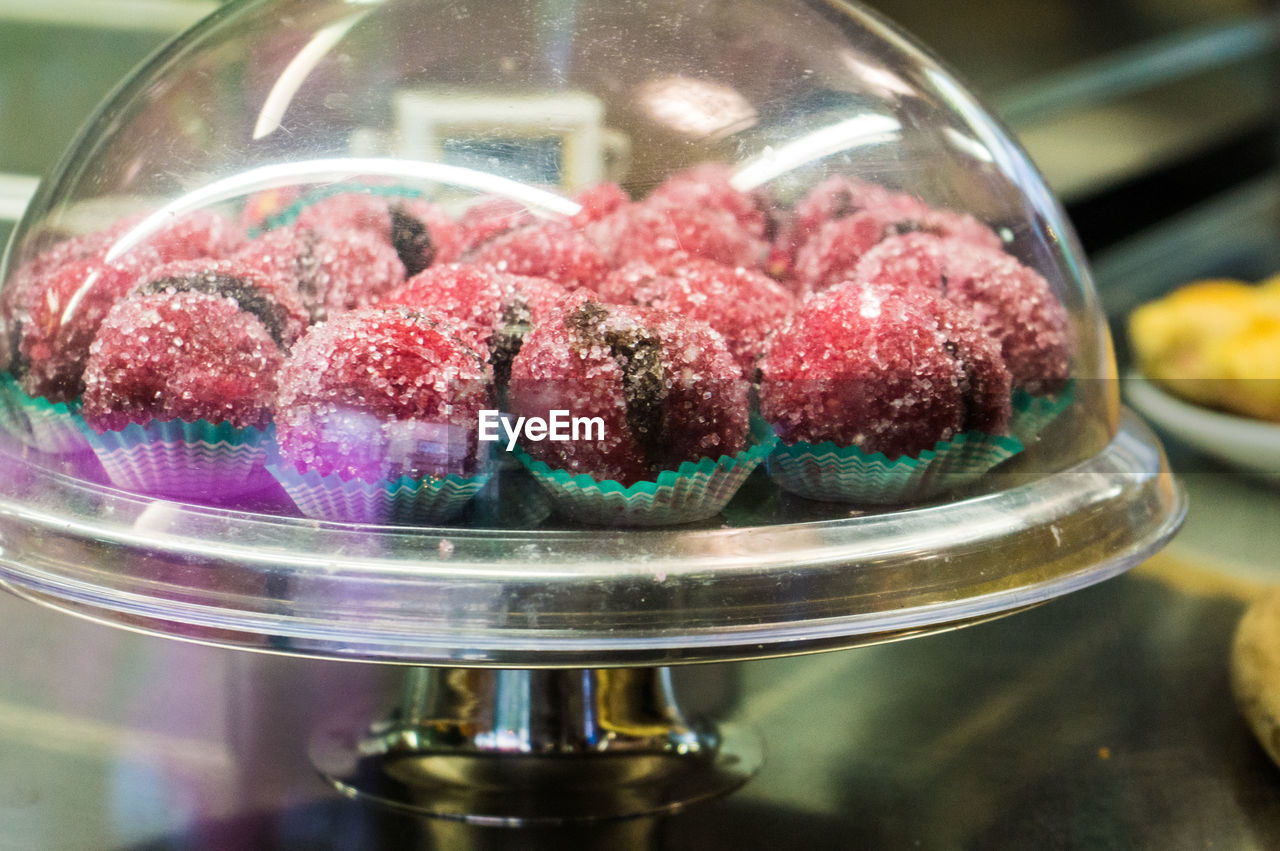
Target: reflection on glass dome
<point>635,264</point>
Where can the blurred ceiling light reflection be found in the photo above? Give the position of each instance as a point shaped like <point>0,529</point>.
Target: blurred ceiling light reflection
<point>856,132</point>
<point>877,80</point>
<point>298,69</point>
<point>698,108</point>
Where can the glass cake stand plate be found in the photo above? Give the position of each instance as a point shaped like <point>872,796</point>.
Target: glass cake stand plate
<point>546,697</point>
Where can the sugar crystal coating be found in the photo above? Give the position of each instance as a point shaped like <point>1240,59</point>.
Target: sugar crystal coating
<point>57,316</point>
<point>708,186</point>
<point>743,305</point>
<point>492,310</point>
<point>653,232</point>
<point>547,250</point>
<point>273,299</point>
<point>201,234</point>
<point>666,388</point>
<point>883,369</point>
<point>180,356</point>
<point>489,218</point>
<point>332,270</point>
<point>598,201</point>
<point>1011,301</point>
<point>420,232</point>
<point>379,393</point>
<point>822,248</point>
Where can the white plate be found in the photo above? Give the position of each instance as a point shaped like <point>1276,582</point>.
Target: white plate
<point>1251,445</point>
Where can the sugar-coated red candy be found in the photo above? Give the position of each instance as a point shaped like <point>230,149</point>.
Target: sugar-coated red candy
<point>597,202</point>
<point>830,255</point>
<point>834,198</point>
<point>652,232</point>
<point>379,393</point>
<point>197,235</point>
<point>743,305</point>
<point>489,218</point>
<point>492,310</point>
<point>420,232</point>
<point>709,186</point>
<point>180,356</point>
<point>1011,301</point>
<point>271,298</point>
<point>884,369</point>
<point>548,250</point>
<point>666,388</point>
<point>332,271</point>
<point>57,315</point>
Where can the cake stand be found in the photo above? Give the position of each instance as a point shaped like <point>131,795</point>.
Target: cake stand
<point>537,686</point>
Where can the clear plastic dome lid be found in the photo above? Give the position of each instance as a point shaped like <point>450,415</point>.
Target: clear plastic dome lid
<point>544,265</point>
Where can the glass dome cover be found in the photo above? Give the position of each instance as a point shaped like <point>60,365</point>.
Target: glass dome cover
<point>529,279</point>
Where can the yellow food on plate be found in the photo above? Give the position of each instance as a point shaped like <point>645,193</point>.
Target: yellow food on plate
<point>1215,342</point>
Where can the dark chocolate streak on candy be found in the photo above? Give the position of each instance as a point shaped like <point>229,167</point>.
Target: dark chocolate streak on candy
<point>249,298</point>
<point>639,354</point>
<point>412,241</point>
<point>906,226</point>
<point>506,341</point>
<point>844,205</point>
<point>969,388</point>
<point>18,364</point>
<point>306,268</point>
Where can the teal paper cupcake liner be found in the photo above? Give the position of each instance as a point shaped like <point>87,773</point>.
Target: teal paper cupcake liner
<point>403,501</point>
<point>832,473</point>
<point>186,460</point>
<point>1032,414</point>
<point>52,427</point>
<point>694,491</point>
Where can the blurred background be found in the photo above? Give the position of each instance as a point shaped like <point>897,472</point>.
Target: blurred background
<point>1102,720</point>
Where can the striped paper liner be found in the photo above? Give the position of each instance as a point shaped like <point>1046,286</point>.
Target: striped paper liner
<point>832,473</point>
<point>694,491</point>
<point>1032,414</point>
<point>53,427</point>
<point>403,501</point>
<point>197,460</point>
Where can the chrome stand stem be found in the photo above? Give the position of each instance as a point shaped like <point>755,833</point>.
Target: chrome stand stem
<point>534,746</point>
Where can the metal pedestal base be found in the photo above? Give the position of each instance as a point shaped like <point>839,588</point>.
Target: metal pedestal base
<point>515,747</point>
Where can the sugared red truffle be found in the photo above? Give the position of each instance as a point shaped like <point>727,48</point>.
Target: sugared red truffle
<point>742,304</point>
<point>666,389</point>
<point>492,310</point>
<point>548,250</point>
<point>379,393</point>
<point>333,271</point>
<point>202,234</point>
<point>56,317</point>
<point>892,371</point>
<point>489,218</point>
<point>708,186</point>
<point>1011,301</point>
<point>180,356</point>
<point>599,201</point>
<point>420,232</point>
<point>271,298</point>
<point>653,232</point>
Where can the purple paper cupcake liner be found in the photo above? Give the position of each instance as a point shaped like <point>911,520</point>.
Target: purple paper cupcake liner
<point>403,501</point>
<point>196,461</point>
